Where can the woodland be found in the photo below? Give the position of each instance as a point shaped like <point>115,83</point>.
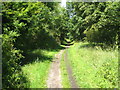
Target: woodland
<point>33,32</point>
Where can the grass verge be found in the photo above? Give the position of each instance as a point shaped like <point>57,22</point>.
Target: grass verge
<point>94,67</point>
<point>64,74</point>
<point>37,71</point>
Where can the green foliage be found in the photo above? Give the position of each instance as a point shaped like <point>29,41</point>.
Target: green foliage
<point>109,74</point>
<point>12,77</point>
<point>106,29</point>
<point>26,26</point>
<point>61,25</point>
<point>94,67</point>
<point>99,22</point>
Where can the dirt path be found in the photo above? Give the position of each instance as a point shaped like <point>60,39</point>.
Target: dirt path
<point>54,78</point>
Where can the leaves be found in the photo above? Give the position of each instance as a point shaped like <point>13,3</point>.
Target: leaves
<point>100,22</point>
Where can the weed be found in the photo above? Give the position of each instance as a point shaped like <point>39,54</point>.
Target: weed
<point>94,67</point>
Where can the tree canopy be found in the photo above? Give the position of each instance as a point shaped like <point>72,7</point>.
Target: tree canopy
<point>46,25</point>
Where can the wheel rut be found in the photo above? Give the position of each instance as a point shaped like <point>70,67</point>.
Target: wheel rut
<point>69,70</point>
<point>54,77</point>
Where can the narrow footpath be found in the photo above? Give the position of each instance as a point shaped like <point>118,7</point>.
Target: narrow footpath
<point>54,77</point>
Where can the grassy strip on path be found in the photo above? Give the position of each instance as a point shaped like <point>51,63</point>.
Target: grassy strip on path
<point>37,71</point>
<point>94,67</point>
<point>64,74</point>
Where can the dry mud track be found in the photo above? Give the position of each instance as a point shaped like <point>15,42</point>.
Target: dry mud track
<point>69,71</point>
<point>54,77</point>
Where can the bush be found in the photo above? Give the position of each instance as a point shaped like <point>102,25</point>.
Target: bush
<point>12,77</point>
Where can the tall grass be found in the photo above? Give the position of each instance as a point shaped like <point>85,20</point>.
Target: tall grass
<point>37,72</point>
<point>94,67</point>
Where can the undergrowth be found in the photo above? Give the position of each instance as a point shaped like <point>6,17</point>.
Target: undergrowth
<point>37,71</point>
<point>94,67</point>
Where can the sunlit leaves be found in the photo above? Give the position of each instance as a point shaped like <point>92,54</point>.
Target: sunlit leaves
<point>100,21</point>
